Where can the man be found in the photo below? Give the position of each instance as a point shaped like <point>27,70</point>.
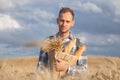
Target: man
<point>65,21</point>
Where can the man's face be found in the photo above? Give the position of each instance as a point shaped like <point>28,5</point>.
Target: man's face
<point>65,22</point>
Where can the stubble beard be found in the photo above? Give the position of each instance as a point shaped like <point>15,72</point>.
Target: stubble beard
<point>63,32</point>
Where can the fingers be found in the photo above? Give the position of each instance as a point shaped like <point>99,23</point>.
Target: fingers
<point>61,65</point>
<point>59,60</point>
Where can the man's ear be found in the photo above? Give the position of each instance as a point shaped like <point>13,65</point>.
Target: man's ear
<point>57,19</point>
<point>73,22</point>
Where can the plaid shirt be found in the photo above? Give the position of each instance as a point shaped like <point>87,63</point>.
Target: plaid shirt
<point>81,62</point>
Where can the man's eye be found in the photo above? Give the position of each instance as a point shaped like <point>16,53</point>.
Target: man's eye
<point>68,21</point>
<point>61,20</point>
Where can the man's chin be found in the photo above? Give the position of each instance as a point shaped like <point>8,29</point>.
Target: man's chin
<point>65,31</point>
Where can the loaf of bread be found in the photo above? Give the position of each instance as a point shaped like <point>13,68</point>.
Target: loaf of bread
<point>79,52</point>
<point>68,48</point>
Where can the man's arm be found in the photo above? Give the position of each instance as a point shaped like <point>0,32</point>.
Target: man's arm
<point>63,65</point>
<point>43,59</point>
<point>81,63</point>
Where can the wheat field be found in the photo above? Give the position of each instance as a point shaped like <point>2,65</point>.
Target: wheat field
<point>99,68</point>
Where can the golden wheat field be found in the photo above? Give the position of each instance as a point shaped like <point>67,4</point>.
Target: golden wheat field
<point>99,68</point>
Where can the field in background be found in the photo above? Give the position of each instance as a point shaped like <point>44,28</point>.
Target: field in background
<point>99,68</point>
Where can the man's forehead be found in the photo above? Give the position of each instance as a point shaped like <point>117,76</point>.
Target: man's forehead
<point>67,16</point>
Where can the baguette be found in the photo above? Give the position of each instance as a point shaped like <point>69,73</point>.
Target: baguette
<point>68,48</point>
<point>80,51</point>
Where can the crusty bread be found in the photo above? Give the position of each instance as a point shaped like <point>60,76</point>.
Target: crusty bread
<point>80,51</point>
<point>68,48</point>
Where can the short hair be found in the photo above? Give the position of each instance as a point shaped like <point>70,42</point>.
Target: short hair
<point>66,9</point>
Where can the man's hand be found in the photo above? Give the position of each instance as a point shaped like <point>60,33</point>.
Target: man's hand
<point>61,65</point>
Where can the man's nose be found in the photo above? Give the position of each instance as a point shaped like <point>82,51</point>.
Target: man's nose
<point>64,23</point>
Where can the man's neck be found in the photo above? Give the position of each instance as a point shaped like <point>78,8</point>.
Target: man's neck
<point>64,35</point>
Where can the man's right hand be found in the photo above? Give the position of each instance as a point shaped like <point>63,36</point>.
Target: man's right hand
<point>61,65</point>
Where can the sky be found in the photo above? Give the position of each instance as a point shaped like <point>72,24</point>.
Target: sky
<point>97,22</point>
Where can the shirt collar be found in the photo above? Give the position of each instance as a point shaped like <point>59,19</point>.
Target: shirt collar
<point>71,36</point>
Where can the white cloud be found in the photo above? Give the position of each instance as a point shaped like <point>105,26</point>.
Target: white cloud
<point>7,22</point>
<point>99,40</point>
<point>116,4</point>
<point>114,38</point>
<point>86,6</point>
<point>9,4</point>
<point>91,7</point>
<point>45,15</point>
<point>46,2</point>
<point>117,7</point>
<point>6,4</point>
<point>21,2</point>
<point>116,19</point>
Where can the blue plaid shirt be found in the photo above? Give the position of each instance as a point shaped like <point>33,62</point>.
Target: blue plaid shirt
<point>81,62</point>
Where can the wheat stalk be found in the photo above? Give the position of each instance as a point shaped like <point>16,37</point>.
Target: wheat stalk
<point>52,45</point>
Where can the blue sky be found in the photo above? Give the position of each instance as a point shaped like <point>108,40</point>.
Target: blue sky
<point>97,22</point>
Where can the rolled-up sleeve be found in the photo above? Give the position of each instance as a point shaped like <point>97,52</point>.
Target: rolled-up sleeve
<point>81,64</point>
<point>43,59</point>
